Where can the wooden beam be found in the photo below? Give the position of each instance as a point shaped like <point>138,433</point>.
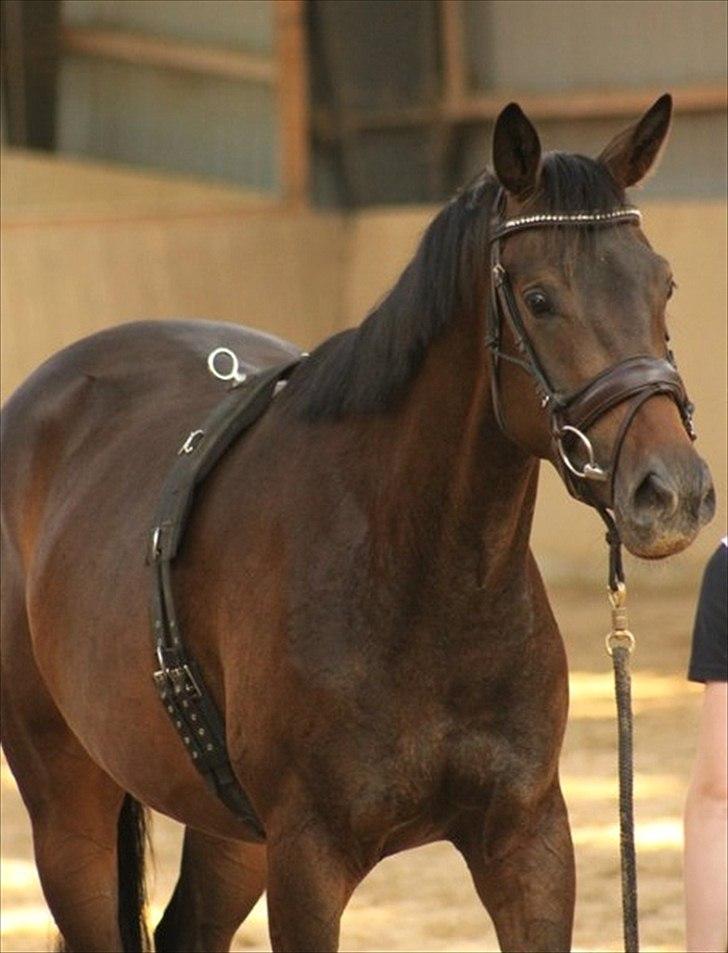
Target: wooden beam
<point>12,65</point>
<point>587,103</point>
<point>142,50</point>
<point>293,101</point>
<point>571,104</point>
<point>453,61</point>
<point>30,47</point>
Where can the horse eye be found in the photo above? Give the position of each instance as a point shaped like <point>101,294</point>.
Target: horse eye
<point>671,288</point>
<point>538,303</point>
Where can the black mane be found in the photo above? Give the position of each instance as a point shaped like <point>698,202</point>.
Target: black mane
<point>572,183</point>
<point>365,370</point>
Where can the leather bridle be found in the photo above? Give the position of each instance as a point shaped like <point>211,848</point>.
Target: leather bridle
<point>633,380</point>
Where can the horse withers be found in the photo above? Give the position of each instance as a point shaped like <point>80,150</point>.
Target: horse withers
<point>355,583</point>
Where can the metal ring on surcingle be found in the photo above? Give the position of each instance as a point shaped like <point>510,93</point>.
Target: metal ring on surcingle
<point>234,374</point>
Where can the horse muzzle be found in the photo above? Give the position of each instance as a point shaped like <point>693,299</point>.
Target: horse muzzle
<point>661,506</point>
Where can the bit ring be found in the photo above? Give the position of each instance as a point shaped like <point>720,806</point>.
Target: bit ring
<point>591,470</point>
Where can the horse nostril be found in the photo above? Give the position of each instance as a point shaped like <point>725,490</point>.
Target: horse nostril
<point>654,498</point>
<point>707,503</point>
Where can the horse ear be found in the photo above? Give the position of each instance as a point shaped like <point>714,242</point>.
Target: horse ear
<point>634,152</point>
<point>516,152</point>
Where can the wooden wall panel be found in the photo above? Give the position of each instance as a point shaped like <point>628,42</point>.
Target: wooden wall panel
<point>600,44</point>
<point>246,25</point>
<point>175,85</point>
<point>87,246</point>
<point>64,280</point>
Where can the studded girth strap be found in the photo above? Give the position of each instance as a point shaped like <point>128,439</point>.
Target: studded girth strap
<point>178,678</point>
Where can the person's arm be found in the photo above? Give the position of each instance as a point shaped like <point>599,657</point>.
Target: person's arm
<point>706,830</point>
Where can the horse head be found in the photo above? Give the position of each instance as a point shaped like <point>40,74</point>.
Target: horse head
<point>579,302</point>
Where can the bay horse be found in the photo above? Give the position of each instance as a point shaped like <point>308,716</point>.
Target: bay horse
<point>356,582</point>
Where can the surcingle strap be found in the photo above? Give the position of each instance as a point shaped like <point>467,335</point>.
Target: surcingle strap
<point>178,679</point>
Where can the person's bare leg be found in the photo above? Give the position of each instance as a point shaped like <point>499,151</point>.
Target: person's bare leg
<point>706,830</point>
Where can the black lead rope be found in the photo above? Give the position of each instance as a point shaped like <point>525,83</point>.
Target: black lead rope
<point>620,660</point>
<point>620,643</point>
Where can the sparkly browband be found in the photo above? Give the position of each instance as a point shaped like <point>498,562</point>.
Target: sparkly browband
<point>581,218</point>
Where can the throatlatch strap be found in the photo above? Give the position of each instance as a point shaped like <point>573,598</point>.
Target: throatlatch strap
<point>178,679</point>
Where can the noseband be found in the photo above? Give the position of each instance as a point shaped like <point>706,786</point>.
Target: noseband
<point>572,414</point>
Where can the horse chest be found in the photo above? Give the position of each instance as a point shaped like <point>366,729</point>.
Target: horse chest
<point>410,735</point>
<point>411,783</point>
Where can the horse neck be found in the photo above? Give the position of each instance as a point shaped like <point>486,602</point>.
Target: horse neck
<point>449,486</point>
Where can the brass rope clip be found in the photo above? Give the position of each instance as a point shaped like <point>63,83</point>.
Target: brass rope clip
<point>620,634</point>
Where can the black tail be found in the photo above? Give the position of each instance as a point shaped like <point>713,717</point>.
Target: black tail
<point>131,842</point>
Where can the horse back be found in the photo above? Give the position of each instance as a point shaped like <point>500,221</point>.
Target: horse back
<point>137,385</point>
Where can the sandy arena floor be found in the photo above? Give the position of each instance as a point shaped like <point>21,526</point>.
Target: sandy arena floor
<point>423,900</point>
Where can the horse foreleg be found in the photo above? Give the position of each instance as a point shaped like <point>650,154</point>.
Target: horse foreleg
<point>309,884</point>
<point>526,878</point>
<point>219,884</point>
